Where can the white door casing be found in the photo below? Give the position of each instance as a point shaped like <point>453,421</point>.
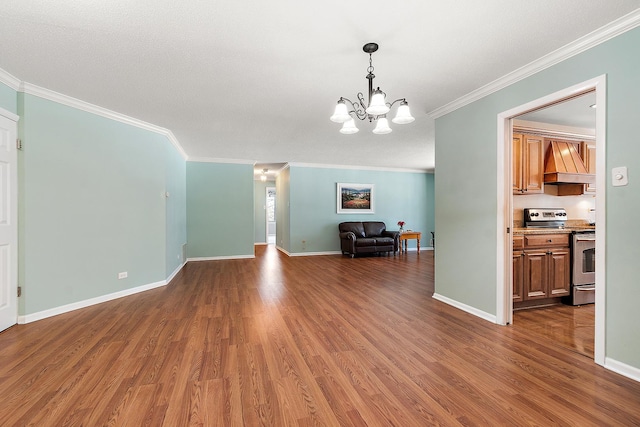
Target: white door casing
<point>8,221</point>
<point>504,312</point>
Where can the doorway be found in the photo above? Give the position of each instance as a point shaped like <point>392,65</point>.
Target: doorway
<point>271,215</point>
<point>8,220</point>
<point>504,312</point>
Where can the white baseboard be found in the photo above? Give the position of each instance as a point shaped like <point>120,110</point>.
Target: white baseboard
<point>283,250</point>
<point>260,244</point>
<point>315,253</point>
<point>622,369</point>
<point>176,271</point>
<point>86,303</point>
<point>218,258</point>
<point>464,307</point>
<point>422,248</point>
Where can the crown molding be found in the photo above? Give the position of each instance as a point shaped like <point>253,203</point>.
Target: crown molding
<point>601,35</point>
<point>10,80</point>
<point>219,160</point>
<point>553,130</point>
<point>69,101</point>
<point>9,115</point>
<point>369,168</point>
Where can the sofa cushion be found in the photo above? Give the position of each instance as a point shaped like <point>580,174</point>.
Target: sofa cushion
<point>355,227</point>
<point>374,228</point>
<point>365,241</point>
<point>384,241</point>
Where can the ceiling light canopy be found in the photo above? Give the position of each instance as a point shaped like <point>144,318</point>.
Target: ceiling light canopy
<point>376,109</point>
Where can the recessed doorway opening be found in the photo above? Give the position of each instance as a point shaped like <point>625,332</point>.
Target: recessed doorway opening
<point>504,312</point>
<point>271,215</point>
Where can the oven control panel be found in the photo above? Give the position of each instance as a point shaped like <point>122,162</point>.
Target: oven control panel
<point>545,214</point>
<point>545,217</point>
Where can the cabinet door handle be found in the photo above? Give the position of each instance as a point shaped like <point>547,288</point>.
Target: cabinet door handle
<point>549,241</point>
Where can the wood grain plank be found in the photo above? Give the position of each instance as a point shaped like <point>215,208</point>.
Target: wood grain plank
<point>324,340</point>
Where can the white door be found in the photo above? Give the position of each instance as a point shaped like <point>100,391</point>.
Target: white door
<point>8,224</point>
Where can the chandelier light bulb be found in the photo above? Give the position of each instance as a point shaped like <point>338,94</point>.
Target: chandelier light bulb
<point>403,115</point>
<point>378,105</point>
<point>349,127</point>
<point>340,115</point>
<point>382,126</point>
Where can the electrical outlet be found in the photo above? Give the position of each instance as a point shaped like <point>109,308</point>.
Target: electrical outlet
<point>123,275</point>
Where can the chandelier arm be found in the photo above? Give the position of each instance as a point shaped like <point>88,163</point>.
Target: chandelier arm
<point>357,110</point>
<point>397,100</point>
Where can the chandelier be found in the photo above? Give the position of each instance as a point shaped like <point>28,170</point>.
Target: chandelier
<point>376,109</point>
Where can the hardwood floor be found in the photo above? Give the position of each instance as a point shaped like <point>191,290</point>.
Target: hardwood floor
<point>323,340</point>
<point>565,325</point>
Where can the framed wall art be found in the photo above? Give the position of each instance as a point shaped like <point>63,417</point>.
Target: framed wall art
<point>355,198</point>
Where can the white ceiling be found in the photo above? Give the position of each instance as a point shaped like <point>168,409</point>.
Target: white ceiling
<point>258,80</point>
<point>575,112</point>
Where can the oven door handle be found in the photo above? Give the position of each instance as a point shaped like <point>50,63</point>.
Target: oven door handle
<point>585,239</point>
<point>585,288</point>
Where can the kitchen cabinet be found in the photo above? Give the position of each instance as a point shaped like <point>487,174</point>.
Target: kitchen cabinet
<point>541,268</point>
<point>518,268</point>
<point>528,164</point>
<point>588,153</point>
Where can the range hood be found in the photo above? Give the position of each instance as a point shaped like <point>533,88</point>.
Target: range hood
<point>563,165</point>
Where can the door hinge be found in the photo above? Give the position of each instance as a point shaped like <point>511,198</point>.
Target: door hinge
<point>19,291</point>
<point>508,230</point>
<point>19,144</point>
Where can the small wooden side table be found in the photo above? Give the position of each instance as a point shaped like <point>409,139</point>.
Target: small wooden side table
<point>406,235</point>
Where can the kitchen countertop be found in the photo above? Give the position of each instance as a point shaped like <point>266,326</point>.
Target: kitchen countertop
<point>566,230</point>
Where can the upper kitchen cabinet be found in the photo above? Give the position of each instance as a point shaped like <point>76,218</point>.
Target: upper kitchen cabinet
<point>588,152</point>
<point>528,164</point>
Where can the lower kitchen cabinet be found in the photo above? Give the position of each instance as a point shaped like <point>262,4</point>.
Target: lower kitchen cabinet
<point>546,273</point>
<point>518,268</point>
<point>559,272</point>
<point>541,272</point>
<point>536,274</point>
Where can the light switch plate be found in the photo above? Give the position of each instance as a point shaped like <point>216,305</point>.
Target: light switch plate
<point>619,176</point>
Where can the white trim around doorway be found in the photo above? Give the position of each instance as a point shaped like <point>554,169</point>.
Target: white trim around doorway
<point>504,304</point>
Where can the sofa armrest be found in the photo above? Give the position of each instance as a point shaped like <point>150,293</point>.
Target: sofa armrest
<point>349,235</point>
<point>396,238</point>
<point>348,242</point>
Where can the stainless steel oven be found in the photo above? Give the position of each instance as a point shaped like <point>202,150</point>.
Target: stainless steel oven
<point>583,269</point>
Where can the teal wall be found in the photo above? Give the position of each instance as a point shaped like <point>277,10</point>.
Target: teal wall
<point>406,196</point>
<point>8,99</point>
<point>467,173</point>
<point>260,213</point>
<point>91,205</point>
<point>220,211</point>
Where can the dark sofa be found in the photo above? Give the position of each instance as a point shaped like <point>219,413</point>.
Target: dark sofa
<point>358,237</point>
